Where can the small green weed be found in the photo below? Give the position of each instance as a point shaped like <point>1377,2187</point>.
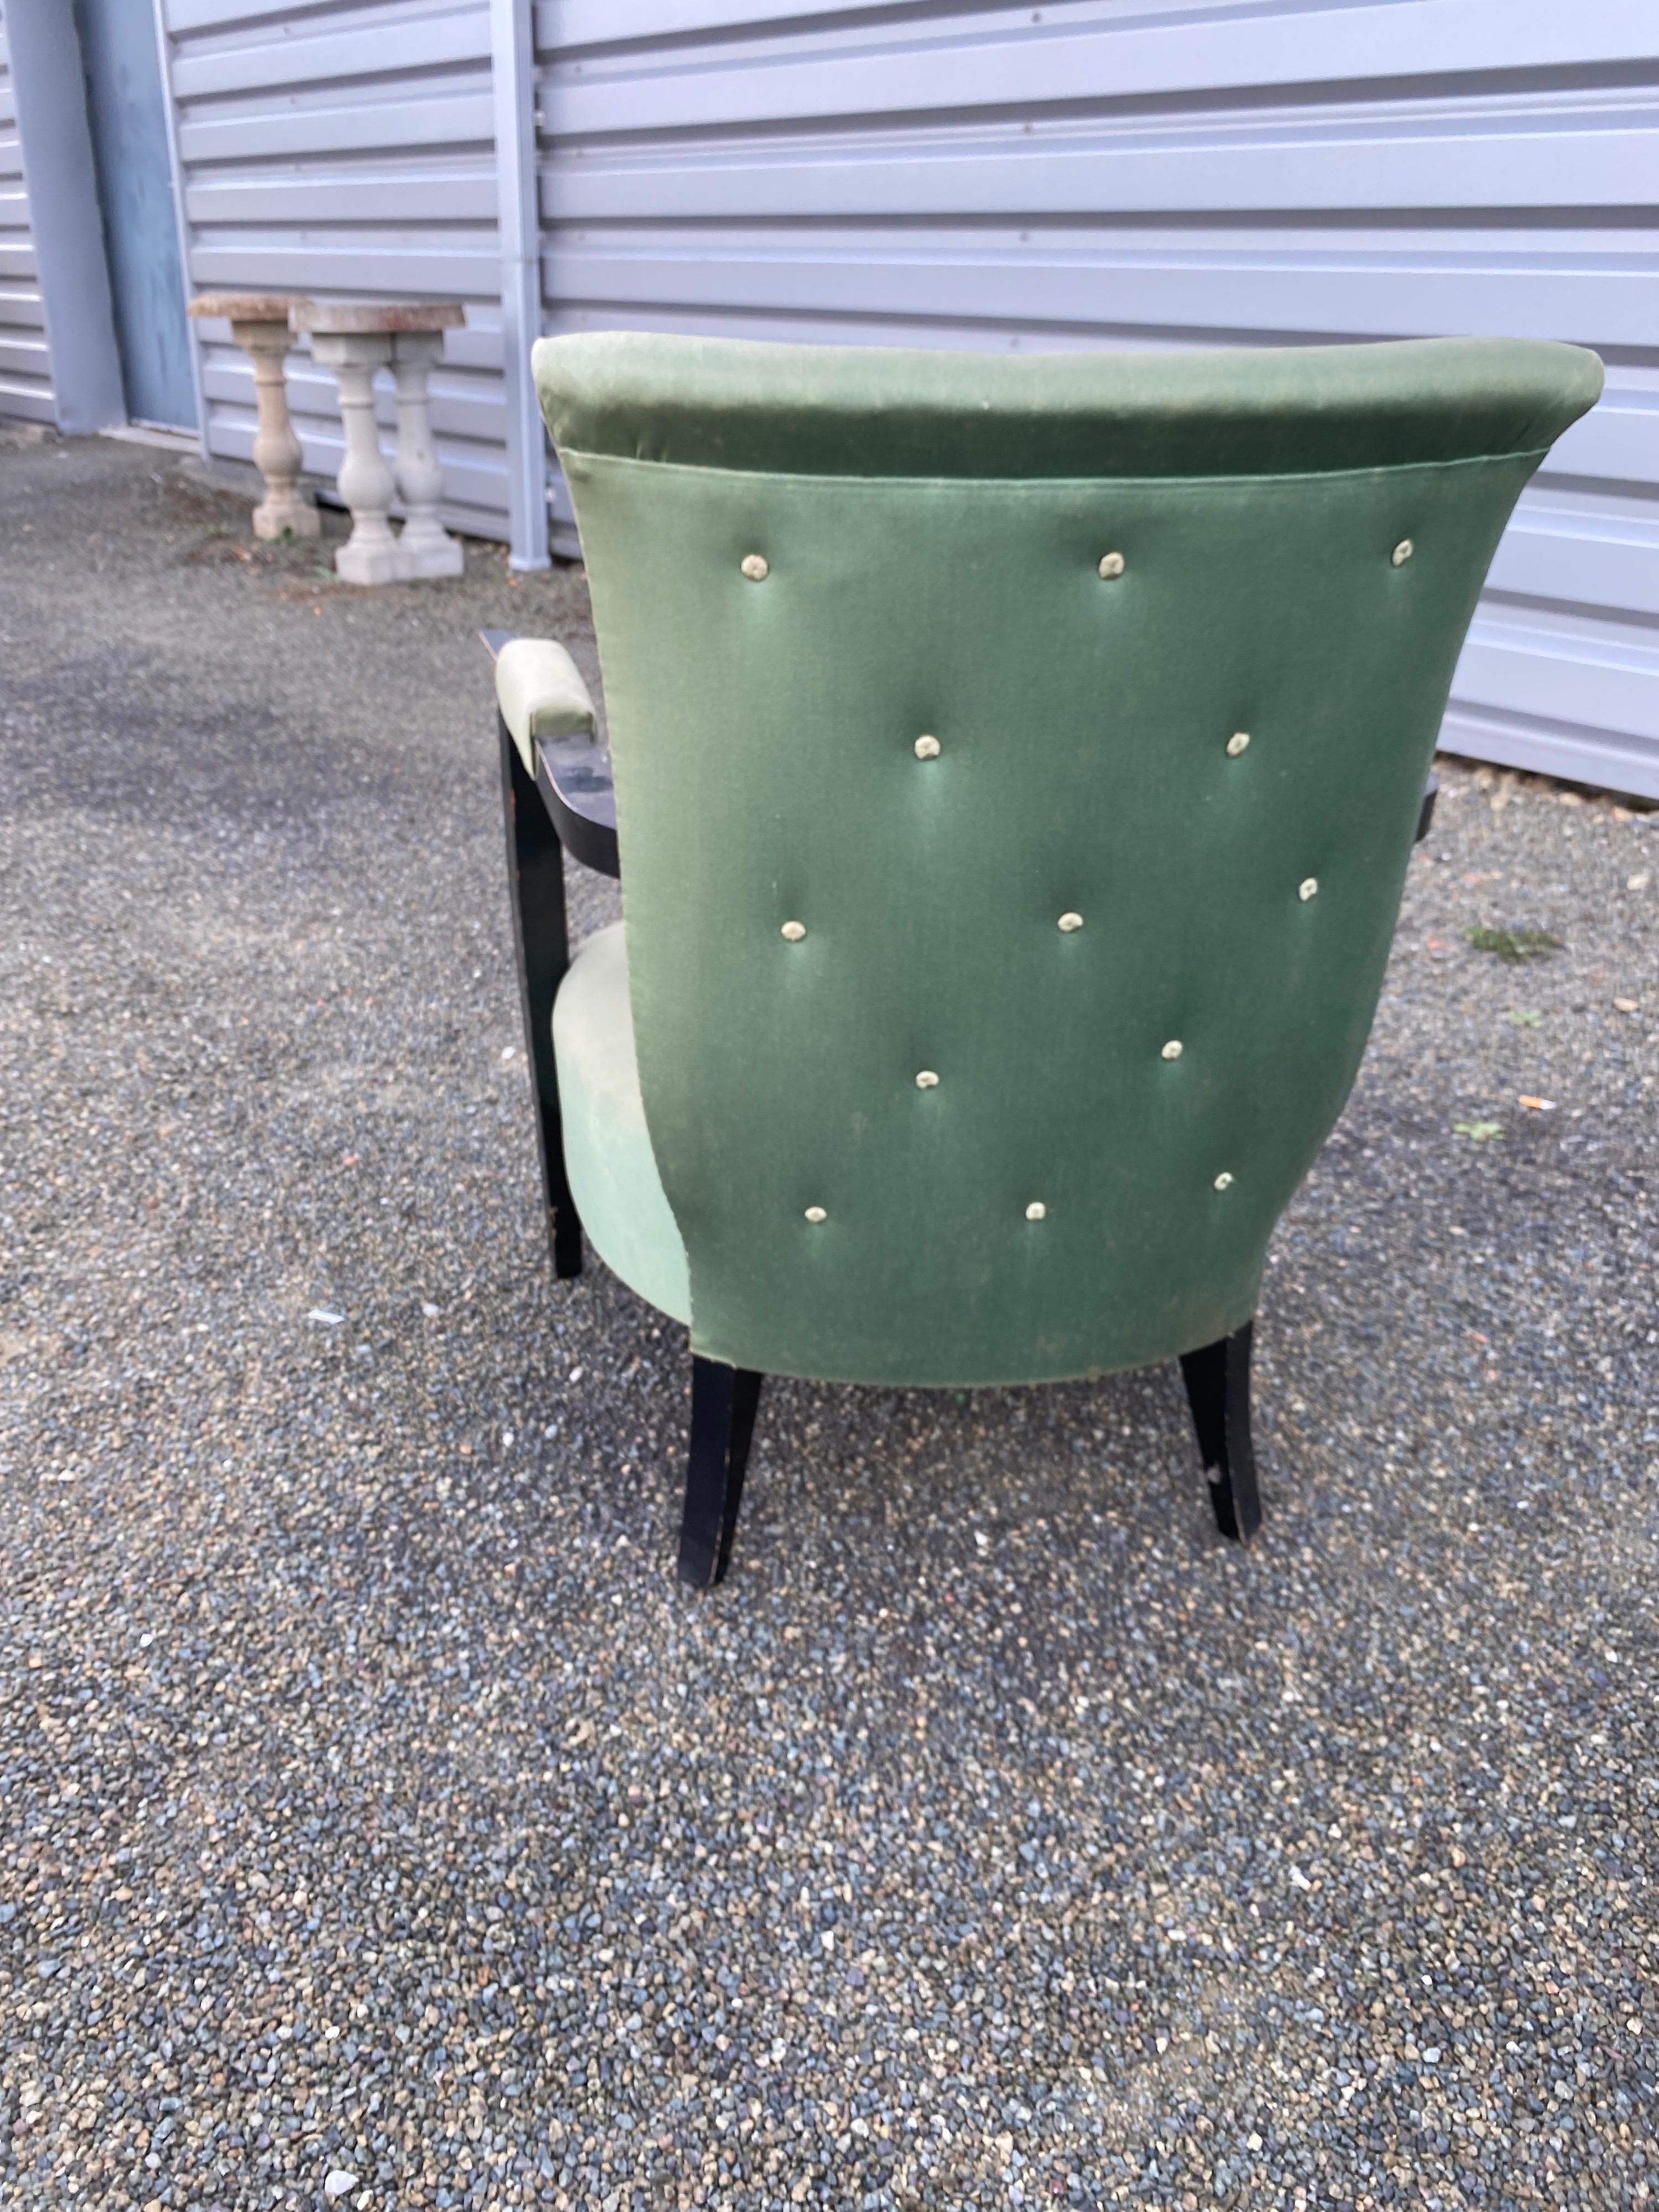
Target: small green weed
<point>1524,1018</point>
<point>1515,945</point>
<point>1479,1131</point>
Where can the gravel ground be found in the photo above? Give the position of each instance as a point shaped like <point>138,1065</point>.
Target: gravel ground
<point>374,1802</point>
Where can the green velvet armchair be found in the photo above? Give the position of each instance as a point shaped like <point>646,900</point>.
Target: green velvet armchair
<point>1013,767</point>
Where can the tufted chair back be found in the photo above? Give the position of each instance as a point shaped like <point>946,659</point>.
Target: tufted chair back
<point>1017,766</point>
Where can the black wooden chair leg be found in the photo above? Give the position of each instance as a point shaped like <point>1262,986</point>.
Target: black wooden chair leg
<point>535,871</point>
<point>1217,1379</point>
<point>723,1404</point>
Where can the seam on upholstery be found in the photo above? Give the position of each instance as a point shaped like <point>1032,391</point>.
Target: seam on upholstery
<point>1392,469</point>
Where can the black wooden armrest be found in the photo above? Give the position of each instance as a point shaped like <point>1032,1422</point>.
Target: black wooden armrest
<point>572,776</point>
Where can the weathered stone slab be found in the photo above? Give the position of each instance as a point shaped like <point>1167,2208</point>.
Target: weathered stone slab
<point>362,318</point>
<point>246,306</point>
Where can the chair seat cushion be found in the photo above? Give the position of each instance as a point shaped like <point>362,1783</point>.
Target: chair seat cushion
<point>607,1147</point>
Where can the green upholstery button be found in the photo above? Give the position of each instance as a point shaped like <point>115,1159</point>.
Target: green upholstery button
<point>927,1080</point>
<point>1036,1211</point>
<point>755,567</point>
<point>1402,552</point>
<point>794,931</point>
<point>1111,566</point>
<point>1308,888</point>
<point>927,749</point>
<point>815,1214</point>
<point>1224,1181</point>
<point>1173,1049</point>
<point>1237,743</point>
<point>1068,922</point>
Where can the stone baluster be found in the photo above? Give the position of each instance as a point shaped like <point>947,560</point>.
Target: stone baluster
<point>354,338</point>
<point>259,325</point>
<point>426,548</point>
<point>345,337</point>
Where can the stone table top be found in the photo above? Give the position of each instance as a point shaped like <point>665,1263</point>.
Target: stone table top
<point>247,307</point>
<point>348,318</point>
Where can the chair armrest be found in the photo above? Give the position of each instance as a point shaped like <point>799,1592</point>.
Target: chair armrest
<point>573,779</point>
<point>546,711</point>
<point>540,692</point>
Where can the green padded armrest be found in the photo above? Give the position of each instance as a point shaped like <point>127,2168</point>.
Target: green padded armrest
<point>540,691</point>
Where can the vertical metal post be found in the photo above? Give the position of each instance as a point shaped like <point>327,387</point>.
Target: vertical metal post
<point>164,57</point>
<point>512,44</point>
<point>65,220</point>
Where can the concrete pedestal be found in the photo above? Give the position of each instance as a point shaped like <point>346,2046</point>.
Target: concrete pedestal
<point>356,339</point>
<point>259,325</point>
<point>369,555</point>
<point>426,548</point>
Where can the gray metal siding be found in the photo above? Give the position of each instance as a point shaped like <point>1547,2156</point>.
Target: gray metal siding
<point>1092,173</point>
<point>26,390</point>
<point>347,154</point>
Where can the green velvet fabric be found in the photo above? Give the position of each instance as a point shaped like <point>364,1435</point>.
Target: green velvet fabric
<point>763,737</point>
<point>541,693</point>
<point>607,1150</point>
<point>853,410</point>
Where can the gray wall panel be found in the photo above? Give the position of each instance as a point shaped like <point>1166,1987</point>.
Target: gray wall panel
<point>1071,51</point>
<point>372,119</point>
<point>25,390</point>
<point>1158,174</point>
<point>1179,282</point>
<point>347,154</point>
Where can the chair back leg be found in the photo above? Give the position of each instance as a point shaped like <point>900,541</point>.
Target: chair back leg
<point>723,1406</point>
<point>1217,1379</point>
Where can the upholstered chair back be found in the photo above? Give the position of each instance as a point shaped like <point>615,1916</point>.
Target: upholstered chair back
<point>1016,766</point>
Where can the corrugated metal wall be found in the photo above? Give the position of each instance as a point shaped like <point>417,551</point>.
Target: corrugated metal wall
<point>25,360</point>
<point>349,152</point>
<point>1149,174</point>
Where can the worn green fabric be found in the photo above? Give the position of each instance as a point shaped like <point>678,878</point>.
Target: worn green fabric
<point>853,410</point>
<point>540,692</point>
<point>607,1151</point>
<point>763,736</point>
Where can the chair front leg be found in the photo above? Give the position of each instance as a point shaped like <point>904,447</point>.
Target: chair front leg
<point>724,1401</point>
<point>1217,1379</point>
<point>535,868</point>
